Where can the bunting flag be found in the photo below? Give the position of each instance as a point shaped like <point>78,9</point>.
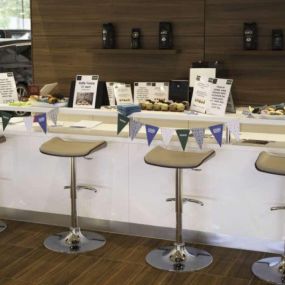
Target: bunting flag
<point>166,134</point>
<point>151,132</point>
<point>42,120</point>
<point>183,136</point>
<point>135,127</point>
<point>217,132</point>
<point>234,128</point>
<point>6,117</point>
<point>29,123</point>
<point>52,115</point>
<point>122,122</point>
<point>198,134</point>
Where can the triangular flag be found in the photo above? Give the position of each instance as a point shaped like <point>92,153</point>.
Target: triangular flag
<point>122,122</point>
<point>183,136</point>
<point>6,117</point>
<point>151,132</point>
<point>42,120</point>
<point>29,123</point>
<point>52,115</point>
<point>234,128</point>
<point>217,132</point>
<point>198,134</point>
<point>166,134</point>
<point>135,127</point>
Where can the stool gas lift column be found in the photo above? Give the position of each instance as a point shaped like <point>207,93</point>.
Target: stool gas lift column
<point>3,226</point>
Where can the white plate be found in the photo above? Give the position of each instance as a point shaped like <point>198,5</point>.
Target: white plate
<point>43,104</point>
<point>272,117</point>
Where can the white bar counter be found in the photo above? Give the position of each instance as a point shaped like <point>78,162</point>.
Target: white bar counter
<point>237,197</point>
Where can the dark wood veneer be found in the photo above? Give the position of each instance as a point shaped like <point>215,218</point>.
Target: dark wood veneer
<point>67,41</point>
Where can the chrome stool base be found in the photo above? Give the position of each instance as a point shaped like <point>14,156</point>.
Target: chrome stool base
<point>74,241</point>
<point>3,226</point>
<point>179,258</point>
<point>268,269</point>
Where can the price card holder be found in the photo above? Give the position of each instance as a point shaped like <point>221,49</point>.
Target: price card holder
<point>231,106</point>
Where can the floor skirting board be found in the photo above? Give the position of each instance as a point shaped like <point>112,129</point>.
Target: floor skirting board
<point>149,231</point>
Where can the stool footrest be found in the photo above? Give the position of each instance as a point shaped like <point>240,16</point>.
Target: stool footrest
<point>184,200</point>
<point>277,208</point>
<point>84,187</point>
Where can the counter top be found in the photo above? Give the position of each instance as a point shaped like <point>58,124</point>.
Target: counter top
<point>175,116</point>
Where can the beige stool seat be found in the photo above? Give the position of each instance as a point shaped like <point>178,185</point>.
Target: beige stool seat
<point>271,163</point>
<point>160,156</point>
<point>59,147</point>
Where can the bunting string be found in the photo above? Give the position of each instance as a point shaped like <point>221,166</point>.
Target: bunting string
<point>182,134</point>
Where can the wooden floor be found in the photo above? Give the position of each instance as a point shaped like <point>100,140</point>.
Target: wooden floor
<point>24,261</point>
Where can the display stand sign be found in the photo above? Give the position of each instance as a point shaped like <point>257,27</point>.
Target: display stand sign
<point>85,91</point>
<point>201,93</point>
<point>123,93</point>
<point>8,89</point>
<point>204,72</point>
<point>219,96</point>
<point>151,91</point>
<point>211,95</point>
<point>111,94</point>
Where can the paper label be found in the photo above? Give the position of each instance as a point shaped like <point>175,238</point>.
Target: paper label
<point>204,72</point>
<point>111,94</point>
<point>201,93</point>
<point>218,100</point>
<point>123,93</point>
<point>151,91</point>
<point>8,89</point>
<point>85,91</point>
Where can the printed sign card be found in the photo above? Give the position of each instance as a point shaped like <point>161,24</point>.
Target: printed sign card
<point>8,89</point>
<point>201,93</point>
<point>211,95</point>
<point>204,72</point>
<point>111,94</point>
<point>123,93</point>
<point>85,91</point>
<point>151,90</point>
<point>218,100</point>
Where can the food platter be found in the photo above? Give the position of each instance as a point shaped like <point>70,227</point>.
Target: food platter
<point>272,112</point>
<point>272,117</point>
<point>48,105</point>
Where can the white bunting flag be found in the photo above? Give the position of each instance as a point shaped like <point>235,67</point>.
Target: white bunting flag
<point>135,127</point>
<point>29,123</point>
<point>234,128</point>
<point>52,115</point>
<point>166,134</point>
<point>198,134</point>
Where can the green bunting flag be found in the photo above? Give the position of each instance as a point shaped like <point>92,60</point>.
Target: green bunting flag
<point>6,117</point>
<point>122,122</point>
<point>183,136</point>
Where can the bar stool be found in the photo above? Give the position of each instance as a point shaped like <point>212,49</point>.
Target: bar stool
<point>73,241</point>
<point>3,226</point>
<point>271,269</point>
<point>179,257</point>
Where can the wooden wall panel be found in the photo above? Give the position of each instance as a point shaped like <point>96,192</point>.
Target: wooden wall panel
<point>66,35</point>
<point>258,79</point>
